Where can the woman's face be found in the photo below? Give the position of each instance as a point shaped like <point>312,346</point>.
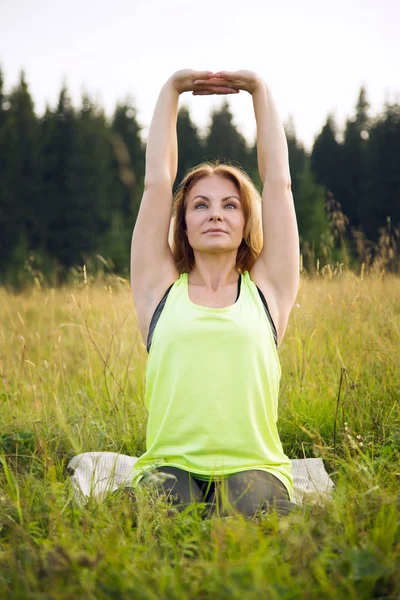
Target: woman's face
<point>214,203</point>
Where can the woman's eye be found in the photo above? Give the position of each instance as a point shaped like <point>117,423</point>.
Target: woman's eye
<point>202,204</point>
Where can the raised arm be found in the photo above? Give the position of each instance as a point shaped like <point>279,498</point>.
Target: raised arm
<point>280,255</point>
<point>278,266</point>
<point>150,235</point>
<point>152,265</point>
<point>162,146</point>
<point>150,253</point>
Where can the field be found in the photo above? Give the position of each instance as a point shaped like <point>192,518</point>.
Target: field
<point>72,368</point>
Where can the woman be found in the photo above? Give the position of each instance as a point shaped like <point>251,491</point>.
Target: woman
<point>214,310</point>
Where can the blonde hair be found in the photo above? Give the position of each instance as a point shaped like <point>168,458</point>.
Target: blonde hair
<point>252,242</point>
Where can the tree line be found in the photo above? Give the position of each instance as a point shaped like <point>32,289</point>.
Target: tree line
<point>71,182</point>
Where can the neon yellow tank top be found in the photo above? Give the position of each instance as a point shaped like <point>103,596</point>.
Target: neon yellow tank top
<point>212,384</point>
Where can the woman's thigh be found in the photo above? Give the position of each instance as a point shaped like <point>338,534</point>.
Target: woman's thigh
<point>249,491</point>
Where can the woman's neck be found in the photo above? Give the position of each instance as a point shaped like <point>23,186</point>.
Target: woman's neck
<point>213,279</point>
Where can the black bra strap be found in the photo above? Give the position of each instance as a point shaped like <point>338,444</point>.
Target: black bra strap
<point>239,284</point>
<point>156,316</point>
<point>263,300</point>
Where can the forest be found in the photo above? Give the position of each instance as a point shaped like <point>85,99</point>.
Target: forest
<point>71,182</point>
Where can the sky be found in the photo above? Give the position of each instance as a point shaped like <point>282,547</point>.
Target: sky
<point>314,55</point>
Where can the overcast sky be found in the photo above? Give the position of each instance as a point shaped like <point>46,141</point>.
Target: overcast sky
<point>314,54</point>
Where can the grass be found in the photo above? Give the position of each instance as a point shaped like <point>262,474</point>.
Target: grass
<point>72,367</point>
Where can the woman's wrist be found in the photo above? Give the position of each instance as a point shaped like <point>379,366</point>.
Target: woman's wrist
<point>181,81</point>
<point>259,87</point>
<point>171,85</point>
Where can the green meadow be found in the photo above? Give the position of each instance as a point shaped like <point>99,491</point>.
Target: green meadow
<point>72,376</point>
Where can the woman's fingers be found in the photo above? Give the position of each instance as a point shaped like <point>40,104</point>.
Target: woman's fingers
<point>183,80</point>
<point>225,74</point>
<point>221,82</point>
<point>203,74</point>
<point>209,80</point>
<point>242,80</point>
<point>212,85</point>
<point>216,90</point>
<point>212,82</point>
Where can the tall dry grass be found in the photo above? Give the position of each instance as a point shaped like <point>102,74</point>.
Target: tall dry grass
<point>347,247</point>
<point>72,369</point>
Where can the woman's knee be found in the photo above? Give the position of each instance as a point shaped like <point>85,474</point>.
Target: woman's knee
<point>176,483</point>
<point>250,491</point>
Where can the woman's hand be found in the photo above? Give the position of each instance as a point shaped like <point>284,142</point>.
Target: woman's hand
<point>187,80</point>
<point>234,80</point>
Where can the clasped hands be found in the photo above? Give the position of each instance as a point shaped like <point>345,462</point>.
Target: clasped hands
<point>204,83</point>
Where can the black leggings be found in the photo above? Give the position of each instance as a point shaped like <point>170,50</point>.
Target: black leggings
<point>246,492</point>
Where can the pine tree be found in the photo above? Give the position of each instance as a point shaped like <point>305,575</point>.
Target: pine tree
<point>127,183</point>
<point>76,158</point>
<point>90,205</point>
<point>353,162</point>
<point>297,155</point>
<point>4,104</point>
<point>381,198</point>
<point>58,131</point>
<point>190,147</point>
<point>224,142</point>
<point>326,158</point>
<point>128,160</point>
<point>311,215</point>
<point>5,224</point>
<point>19,181</point>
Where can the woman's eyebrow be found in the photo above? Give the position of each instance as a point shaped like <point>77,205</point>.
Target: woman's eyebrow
<point>207,198</point>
